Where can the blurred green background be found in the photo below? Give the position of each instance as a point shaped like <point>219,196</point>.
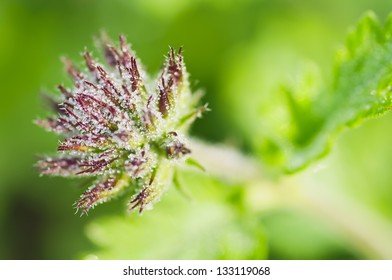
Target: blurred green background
<point>235,50</point>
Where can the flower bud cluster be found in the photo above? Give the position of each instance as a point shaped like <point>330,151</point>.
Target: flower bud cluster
<point>121,127</point>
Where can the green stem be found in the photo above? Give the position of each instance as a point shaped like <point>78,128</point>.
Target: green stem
<point>367,231</point>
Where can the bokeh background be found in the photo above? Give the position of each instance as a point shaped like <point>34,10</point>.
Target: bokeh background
<point>235,50</point>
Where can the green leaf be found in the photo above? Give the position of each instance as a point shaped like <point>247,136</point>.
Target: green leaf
<point>214,225</point>
<point>360,88</point>
<point>194,163</point>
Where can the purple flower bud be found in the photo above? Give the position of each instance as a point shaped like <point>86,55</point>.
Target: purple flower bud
<point>117,129</point>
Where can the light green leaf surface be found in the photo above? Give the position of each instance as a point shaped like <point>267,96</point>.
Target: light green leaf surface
<point>211,225</point>
<point>315,111</point>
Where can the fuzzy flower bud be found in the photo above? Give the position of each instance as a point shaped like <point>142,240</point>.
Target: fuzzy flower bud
<point>122,128</point>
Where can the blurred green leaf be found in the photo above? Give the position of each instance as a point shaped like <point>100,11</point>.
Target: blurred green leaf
<point>210,226</point>
<point>308,238</point>
<point>361,88</point>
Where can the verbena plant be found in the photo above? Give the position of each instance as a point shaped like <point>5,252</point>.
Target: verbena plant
<point>130,132</point>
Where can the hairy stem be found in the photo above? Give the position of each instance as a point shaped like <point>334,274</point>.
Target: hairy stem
<point>225,162</point>
<point>367,231</point>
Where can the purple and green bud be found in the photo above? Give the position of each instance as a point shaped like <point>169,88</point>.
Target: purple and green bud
<point>121,127</point>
